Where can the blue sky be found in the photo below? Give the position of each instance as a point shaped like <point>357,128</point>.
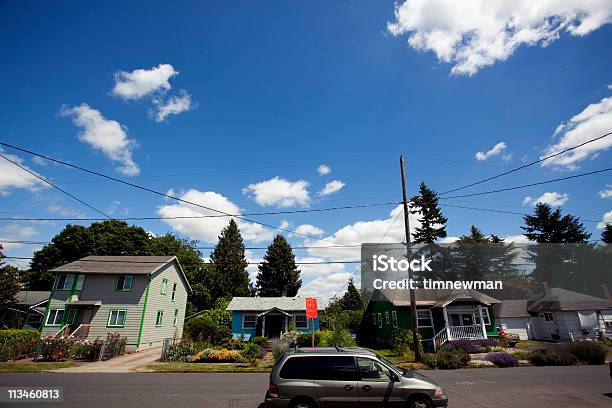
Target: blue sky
<point>236,95</point>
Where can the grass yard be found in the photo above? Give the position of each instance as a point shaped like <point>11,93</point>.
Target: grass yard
<point>205,368</point>
<point>32,367</point>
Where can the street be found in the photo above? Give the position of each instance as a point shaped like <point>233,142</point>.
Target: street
<point>558,387</point>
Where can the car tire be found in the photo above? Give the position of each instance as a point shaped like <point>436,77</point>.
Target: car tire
<point>302,403</point>
<point>419,401</point>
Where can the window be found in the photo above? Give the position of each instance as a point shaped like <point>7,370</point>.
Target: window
<point>485,316</point>
<point>64,281</point>
<point>341,368</point>
<point>116,318</point>
<point>455,319</point>
<point>379,321</point>
<point>394,318</point>
<point>175,317</point>
<point>159,319</point>
<point>374,319</point>
<point>608,326</point>
<point>72,315</point>
<point>80,281</point>
<point>174,291</point>
<point>55,317</point>
<point>301,322</point>
<point>249,321</point>
<point>124,283</point>
<point>164,286</point>
<point>548,316</point>
<point>386,317</point>
<point>370,370</point>
<point>424,318</point>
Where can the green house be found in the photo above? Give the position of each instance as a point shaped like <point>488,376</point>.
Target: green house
<point>442,315</point>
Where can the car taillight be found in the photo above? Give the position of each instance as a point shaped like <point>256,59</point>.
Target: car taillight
<point>439,393</point>
<point>273,391</point>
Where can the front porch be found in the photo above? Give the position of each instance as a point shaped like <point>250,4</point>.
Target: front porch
<point>462,322</point>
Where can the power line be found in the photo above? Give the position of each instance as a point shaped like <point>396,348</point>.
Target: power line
<point>54,186</point>
<point>525,165</point>
<point>199,263</point>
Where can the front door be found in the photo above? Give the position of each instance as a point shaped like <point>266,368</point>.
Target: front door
<point>335,381</point>
<point>275,323</point>
<point>462,319</point>
<point>376,388</point>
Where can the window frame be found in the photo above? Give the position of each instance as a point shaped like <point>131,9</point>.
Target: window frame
<point>80,281</point>
<point>387,321</point>
<point>485,317</point>
<point>159,318</point>
<point>429,317</point>
<point>305,326</point>
<point>164,287</point>
<point>118,311</point>
<point>546,316</point>
<point>372,361</point>
<point>55,317</point>
<point>394,318</point>
<point>175,321</point>
<point>66,281</point>
<point>380,323</point>
<point>244,316</point>
<point>173,293</point>
<point>374,319</point>
<point>123,289</point>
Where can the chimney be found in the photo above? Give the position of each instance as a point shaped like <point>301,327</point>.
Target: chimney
<point>606,292</point>
<point>546,289</point>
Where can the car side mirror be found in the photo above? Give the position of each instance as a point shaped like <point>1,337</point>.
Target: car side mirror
<point>394,377</point>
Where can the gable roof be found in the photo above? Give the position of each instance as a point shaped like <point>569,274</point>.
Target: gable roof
<point>563,299</point>
<point>512,308</point>
<point>120,265</point>
<point>31,297</point>
<point>261,304</point>
<point>432,298</point>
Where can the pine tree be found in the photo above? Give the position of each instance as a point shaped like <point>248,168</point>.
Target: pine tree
<point>278,274</point>
<point>351,300</point>
<point>9,285</point>
<point>433,223</point>
<point>230,263</point>
<point>606,235</point>
<point>548,226</point>
<point>476,237</point>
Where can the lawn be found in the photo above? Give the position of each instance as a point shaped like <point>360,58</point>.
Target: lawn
<point>204,368</point>
<point>32,367</point>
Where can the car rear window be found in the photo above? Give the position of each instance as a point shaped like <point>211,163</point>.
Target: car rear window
<point>335,368</point>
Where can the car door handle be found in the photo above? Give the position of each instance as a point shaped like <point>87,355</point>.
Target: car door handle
<point>348,387</point>
<point>366,388</point>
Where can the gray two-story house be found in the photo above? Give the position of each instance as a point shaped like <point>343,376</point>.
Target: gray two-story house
<point>141,297</point>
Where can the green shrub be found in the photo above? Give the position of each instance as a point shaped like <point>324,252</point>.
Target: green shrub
<point>588,352</point>
<point>305,339</point>
<point>250,352</point>
<point>205,328</point>
<point>520,355</point>
<point>448,358</point>
<point>543,357</point>
<point>278,351</point>
<point>497,349</point>
<point>259,340</point>
<point>55,349</point>
<point>180,352</point>
<point>338,338</point>
<point>16,344</point>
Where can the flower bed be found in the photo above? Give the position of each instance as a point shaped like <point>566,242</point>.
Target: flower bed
<point>217,356</point>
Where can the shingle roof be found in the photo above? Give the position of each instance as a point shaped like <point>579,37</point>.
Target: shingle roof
<point>562,299</point>
<point>266,303</point>
<point>512,308</point>
<point>31,297</point>
<point>434,298</point>
<point>116,264</point>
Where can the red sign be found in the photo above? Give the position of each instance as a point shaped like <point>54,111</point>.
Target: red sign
<point>311,308</point>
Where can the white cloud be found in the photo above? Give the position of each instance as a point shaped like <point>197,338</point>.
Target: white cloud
<point>15,232</point>
<point>323,169</point>
<point>279,192</point>
<point>609,86</point>
<point>607,193</point>
<point>472,34</point>
<point>497,149</point>
<point>105,135</point>
<point>595,120</point>
<point>606,219</point>
<point>143,82</point>
<point>208,229</point>
<point>12,176</point>
<point>325,287</point>
<point>551,198</point>
<point>516,239</point>
<point>312,267</point>
<point>172,106</point>
<point>332,187</point>
<point>309,229</point>
<point>65,211</point>
<point>39,160</point>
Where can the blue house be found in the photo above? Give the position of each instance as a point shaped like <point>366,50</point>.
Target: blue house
<point>269,316</point>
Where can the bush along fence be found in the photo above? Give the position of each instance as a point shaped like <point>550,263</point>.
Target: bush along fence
<point>19,344</point>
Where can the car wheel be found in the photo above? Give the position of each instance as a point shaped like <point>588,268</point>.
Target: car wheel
<point>420,401</point>
<point>302,403</point>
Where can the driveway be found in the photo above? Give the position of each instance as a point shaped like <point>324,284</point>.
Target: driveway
<point>122,364</point>
<point>542,387</point>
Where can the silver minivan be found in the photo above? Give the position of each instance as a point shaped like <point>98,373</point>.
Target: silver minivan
<point>347,377</point>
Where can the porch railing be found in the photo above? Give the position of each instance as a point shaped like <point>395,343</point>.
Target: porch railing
<point>440,338</point>
<point>80,332</point>
<point>466,332</point>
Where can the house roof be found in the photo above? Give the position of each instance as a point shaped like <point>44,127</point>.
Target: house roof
<point>562,299</point>
<point>31,297</point>
<point>512,308</point>
<point>132,265</point>
<point>261,304</point>
<point>432,298</point>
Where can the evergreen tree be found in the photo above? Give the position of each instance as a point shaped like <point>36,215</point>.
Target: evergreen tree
<point>433,223</point>
<point>278,273</point>
<point>9,285</point>
<point>548,226</point>
<point>351,300</point>
<point>230,263</point>
<point>476,237</point>
<point>606,235</point>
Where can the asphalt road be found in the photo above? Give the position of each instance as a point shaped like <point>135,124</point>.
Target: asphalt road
<point>558,387</point>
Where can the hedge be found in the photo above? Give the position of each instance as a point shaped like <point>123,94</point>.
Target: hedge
<point>16,344</point>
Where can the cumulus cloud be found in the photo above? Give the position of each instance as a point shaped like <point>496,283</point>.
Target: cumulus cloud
<point>497,149</point>
<point>208,229</point>
<point>551,198</point>
<point>607,193</point>
<point>595,120</point>
<point>105,135</point>
<point>332,187</point>
<point>172,106</point>
<point>309,229</point>
<point>323,169</point>
<point>325,287</point>
<point>279,192</point>
<point>143,82</point>
<point>15,232</point>
<point>473,34</point>
<point>12,177</point>
<point>606,219</point>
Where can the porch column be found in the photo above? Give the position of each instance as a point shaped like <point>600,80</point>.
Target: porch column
<point>446,325</point>
<point>482,324</point>
<point>263,325</point>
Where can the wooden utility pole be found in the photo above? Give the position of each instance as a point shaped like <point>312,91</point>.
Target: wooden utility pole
<point>413,311</point>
